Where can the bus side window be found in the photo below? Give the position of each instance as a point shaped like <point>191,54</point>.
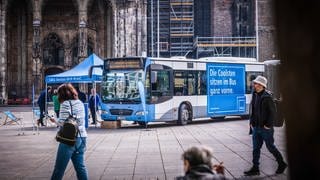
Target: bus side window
<point>178,83</point>
<point>203,83</point>
<point>161,86</point>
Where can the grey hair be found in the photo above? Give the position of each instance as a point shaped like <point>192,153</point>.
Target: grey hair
<point>198,155</point>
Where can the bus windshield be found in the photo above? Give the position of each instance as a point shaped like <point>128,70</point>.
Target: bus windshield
<point>121,87</point>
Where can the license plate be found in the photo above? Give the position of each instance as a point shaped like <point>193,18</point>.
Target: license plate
<point>120,118</point>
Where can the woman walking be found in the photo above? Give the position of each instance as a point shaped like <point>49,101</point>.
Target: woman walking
<point>68,97</point>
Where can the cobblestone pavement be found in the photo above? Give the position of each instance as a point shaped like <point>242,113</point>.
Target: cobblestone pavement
<point>133,152</point>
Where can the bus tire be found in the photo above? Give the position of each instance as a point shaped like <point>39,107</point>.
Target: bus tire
<point>247,116</point>
<point>184,114</point>
<point>142,123</point>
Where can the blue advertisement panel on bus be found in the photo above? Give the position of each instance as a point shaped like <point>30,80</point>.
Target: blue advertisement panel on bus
<point>226,89</point>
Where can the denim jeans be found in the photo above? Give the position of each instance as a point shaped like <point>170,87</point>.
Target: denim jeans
<point>93,114</point>
<point>76,154</point>
<point>42,113</point>
<point>258,136</point>
<point>57,113</point>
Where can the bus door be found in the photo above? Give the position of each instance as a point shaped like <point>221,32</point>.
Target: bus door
<point>160,92</point>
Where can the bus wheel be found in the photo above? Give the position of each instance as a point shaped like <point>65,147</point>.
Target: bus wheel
<point>142,123</point>
<point>184,114</point>
<point>247,116</point>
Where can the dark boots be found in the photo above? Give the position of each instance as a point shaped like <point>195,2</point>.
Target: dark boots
<point>281,167</point>
<point>253,171</point>
<point>40,121</point>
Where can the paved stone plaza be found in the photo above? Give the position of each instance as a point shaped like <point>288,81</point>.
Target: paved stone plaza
<point>132,152</point>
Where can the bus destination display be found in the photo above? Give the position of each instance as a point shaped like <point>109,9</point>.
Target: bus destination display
<point>125,64</point>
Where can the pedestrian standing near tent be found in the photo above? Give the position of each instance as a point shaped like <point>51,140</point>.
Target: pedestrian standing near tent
<point>56,103</point>
<point>94,101</point>
<point>42,104</point>
<point>81,95</point>
<point>68,97</point>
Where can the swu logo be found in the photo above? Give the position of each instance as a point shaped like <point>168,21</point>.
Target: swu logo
<point>120,112</point>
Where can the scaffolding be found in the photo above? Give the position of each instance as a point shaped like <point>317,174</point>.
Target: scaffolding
<point>163,7</point>
<point>173,31</point>
<point>181,27</point>
<point>225,46</point>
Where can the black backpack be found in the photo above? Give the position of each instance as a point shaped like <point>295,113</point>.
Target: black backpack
<point>69,131</point>
<point>279,119</point>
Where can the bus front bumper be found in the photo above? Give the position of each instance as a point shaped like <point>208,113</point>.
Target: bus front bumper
<point>108,117</point>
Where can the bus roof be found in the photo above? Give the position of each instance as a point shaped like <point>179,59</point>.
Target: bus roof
<point>229,59</point>
<point>203,60</point>
<point>272,62</point>
<point>212,59</point>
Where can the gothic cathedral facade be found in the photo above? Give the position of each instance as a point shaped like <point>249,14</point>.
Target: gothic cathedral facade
<point>42,37</point>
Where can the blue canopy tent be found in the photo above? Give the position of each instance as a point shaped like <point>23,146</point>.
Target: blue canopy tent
<point>78,74</point>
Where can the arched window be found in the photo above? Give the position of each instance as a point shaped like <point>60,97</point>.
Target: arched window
<point>75,48</point>
<point>53,50</point>
<point>243,18</point>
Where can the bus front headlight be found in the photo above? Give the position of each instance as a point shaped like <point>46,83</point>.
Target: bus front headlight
<point>104,112</point>
<point>141,113</point>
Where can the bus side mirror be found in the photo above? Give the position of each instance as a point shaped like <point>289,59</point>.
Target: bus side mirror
<point>90,72</point>
<point>91,69</point>
<point>154,76</point>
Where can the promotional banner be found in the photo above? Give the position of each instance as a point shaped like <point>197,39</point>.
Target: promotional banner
<point>226,89</point>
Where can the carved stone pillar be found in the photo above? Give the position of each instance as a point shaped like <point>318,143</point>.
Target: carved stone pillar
<point>3,56</point>
<point>142,28</point>
<point>36,49</point>
<point>83,35</point>
<point>68,57</point>
<point>130,27</point>
<point>36,39</point>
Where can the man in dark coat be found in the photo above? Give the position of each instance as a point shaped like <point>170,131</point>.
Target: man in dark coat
<point>263,112</point>
<point>42,104</point>
<point>81,95</point>
<point>197,162</point>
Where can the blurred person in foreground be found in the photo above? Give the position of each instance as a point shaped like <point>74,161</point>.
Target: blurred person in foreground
<point>197,162</point>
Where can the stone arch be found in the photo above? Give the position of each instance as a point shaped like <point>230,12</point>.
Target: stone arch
<point>62,18</point>
<point>53,70</point>
<point>53,50</point>
<point>18,38</point>
<point>63,10</point>
<point>110,3</point>
<point>101,26</point>
<point>45,2</point>
<point>8,4</point>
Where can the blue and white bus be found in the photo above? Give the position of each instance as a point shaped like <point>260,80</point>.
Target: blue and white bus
<point>146,89</point>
